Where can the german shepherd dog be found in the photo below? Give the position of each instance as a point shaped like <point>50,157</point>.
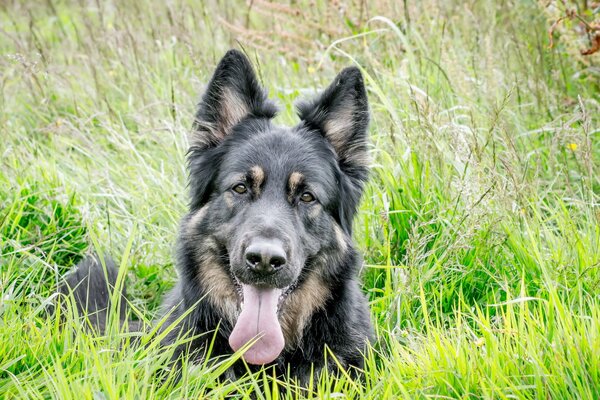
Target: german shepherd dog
<point>265,254</point>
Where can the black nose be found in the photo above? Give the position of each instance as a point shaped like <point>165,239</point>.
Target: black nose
<point>265,257</point>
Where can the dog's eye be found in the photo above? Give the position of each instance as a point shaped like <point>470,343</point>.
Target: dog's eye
<point>307,197</point>
<point>240,188</point>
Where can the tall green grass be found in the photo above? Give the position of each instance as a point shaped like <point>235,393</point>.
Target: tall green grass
<point>480,227</point>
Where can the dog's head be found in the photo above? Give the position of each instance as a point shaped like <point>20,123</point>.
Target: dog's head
<point>277,197</point>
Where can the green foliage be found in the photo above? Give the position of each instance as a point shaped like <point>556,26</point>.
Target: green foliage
<point>38,225</point>
<point>51,229</point>
<point>480,226</point>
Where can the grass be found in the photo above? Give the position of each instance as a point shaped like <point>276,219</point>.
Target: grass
<point>480,228</point>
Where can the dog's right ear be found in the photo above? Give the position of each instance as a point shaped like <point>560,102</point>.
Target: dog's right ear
<point>232,95</point>
<point>341,114</point>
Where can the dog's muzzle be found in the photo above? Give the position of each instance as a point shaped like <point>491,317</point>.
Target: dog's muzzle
<point>264,281</point>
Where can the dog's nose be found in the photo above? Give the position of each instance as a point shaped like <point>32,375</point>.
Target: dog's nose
<point>265,257</point>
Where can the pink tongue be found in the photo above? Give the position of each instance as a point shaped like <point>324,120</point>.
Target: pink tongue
<point>258,319</point>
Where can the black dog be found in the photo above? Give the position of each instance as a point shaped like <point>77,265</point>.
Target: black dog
<point>265,252</point>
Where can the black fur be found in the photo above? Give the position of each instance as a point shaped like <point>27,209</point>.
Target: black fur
<point>92,284</point>
<point>299,191</point>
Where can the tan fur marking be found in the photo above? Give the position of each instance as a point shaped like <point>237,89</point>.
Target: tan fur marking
<point>228,198</point>
<point>295,180</point>
<point>300,305</point>
<point>233,110</point>
<point>258,177</point>
<point>194,220</point>
<point>337,130</point>
<point>220,289</point>
<point>315,211</point>
<point>341,238</point>
<point>338,127</point>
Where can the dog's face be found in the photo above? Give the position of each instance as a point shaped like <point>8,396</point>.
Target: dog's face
<point>274,201</point>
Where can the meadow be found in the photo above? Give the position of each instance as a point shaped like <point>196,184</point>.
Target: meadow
<point>480,227</point>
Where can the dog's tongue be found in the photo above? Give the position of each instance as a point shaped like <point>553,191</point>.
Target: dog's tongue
<point>258,319</point>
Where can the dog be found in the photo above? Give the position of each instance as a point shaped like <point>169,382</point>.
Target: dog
<point>265,255</point>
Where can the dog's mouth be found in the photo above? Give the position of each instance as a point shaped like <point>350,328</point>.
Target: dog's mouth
<point>284,293</point>
<point>258,322</point>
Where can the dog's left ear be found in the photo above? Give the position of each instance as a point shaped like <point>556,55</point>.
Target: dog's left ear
<point>341,114</point>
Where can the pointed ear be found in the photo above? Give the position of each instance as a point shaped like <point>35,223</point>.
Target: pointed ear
<point>341,114</point>
<point>232,94</point>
